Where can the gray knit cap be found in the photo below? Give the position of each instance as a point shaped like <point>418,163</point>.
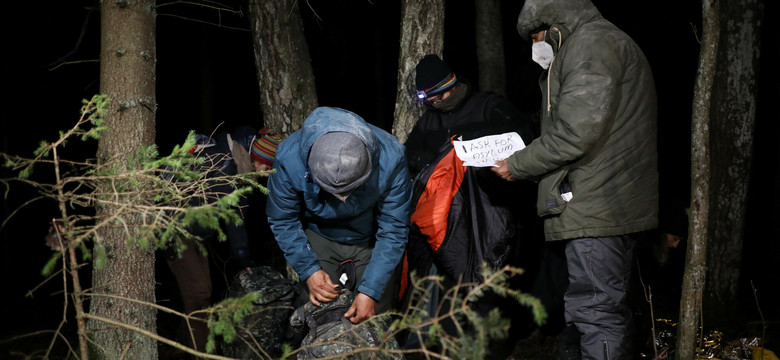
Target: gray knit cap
<point>339,163</point>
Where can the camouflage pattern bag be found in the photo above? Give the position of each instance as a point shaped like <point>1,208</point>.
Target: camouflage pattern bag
<point>268,325</point>
<point>330,334</point>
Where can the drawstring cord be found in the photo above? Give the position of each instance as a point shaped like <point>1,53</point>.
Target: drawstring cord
<point>549,104</point>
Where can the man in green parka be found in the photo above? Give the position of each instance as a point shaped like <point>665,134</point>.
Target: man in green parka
<point>596,161</point>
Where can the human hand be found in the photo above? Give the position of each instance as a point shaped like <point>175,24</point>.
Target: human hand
<point>671,240</point>
<point>362,308</point>
<point>502,170</point>
<point>321,288</point>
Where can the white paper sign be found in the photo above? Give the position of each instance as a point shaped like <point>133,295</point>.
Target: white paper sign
<point>485,151</point>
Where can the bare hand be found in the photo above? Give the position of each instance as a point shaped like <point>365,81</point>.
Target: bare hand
<point>321,288</point>
<point>502,170</point>
<point>363,307</point>
<point>671,241</point>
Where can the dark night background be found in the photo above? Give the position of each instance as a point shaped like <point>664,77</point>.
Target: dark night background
<point>206,76</point>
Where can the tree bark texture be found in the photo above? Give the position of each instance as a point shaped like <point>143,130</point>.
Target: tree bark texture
<point>733,124</point>
<point>696,265</point>
<point>284,73</point>
<point>490,46</point>
<point>127,77</point>
<point>422,33</point>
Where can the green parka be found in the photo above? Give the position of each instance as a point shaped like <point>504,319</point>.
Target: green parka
<point>598,137</point>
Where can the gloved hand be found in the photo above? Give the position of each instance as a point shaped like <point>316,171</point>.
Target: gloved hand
<point>244,257</point>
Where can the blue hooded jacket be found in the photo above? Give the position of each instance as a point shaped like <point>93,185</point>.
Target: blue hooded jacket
<point>377,209</point>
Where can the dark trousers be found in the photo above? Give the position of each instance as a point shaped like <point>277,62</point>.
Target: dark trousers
<point>331,254</point>
<point>596,300</point>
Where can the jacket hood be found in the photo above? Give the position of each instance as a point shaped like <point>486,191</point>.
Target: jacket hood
<point>332,119</point>
<point>564,15</point>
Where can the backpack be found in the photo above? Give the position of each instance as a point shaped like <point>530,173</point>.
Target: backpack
<point>462,218</point>
<point>267,326</point>
<point>329,333</point>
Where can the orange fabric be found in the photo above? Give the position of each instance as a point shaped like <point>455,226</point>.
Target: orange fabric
<point>432,209</point>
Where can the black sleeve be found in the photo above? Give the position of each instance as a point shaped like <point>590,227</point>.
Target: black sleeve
<point>423,145</point>
<point>222,165</point>
<point>414,147</point>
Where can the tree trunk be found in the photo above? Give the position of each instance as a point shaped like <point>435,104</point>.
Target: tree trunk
<point>287,90</point>
<point>422,33</point>
<point>127,77</point>
<point>733,123</point>
<point>490,46</point>
<point>696,265</point>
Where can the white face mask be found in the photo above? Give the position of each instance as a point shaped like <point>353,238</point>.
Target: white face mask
<point>542,54</point>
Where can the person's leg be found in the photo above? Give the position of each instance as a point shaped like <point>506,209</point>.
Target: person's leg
<point>194,280</point>
<point>327,254</point>
<point>596,299</point>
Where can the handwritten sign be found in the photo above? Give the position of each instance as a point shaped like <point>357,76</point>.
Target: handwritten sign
<point>485,151</point>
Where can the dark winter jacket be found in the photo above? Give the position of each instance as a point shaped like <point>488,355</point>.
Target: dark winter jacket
<point>378,209</point>
<point>598,137</point>
<point>479,114</point>
<point>463,216</point>
<point>218,159</point>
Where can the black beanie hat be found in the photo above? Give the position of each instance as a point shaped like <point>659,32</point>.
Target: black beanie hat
<point>433,75</point>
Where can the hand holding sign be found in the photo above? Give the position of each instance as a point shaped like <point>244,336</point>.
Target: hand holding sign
<point>485,151</point>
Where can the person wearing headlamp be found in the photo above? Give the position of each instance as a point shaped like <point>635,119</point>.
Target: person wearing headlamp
<point>453,107</point>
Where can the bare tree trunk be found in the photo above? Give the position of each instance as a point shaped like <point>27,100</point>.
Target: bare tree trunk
<point>422,33</point>
<point>287,90</point>
<point>733,123</point>
<point>696,265</point>
<point>127,77</point>
<point>490,46</point>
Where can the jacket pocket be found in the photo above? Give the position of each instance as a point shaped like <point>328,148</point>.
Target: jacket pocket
<point>549,200</point>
